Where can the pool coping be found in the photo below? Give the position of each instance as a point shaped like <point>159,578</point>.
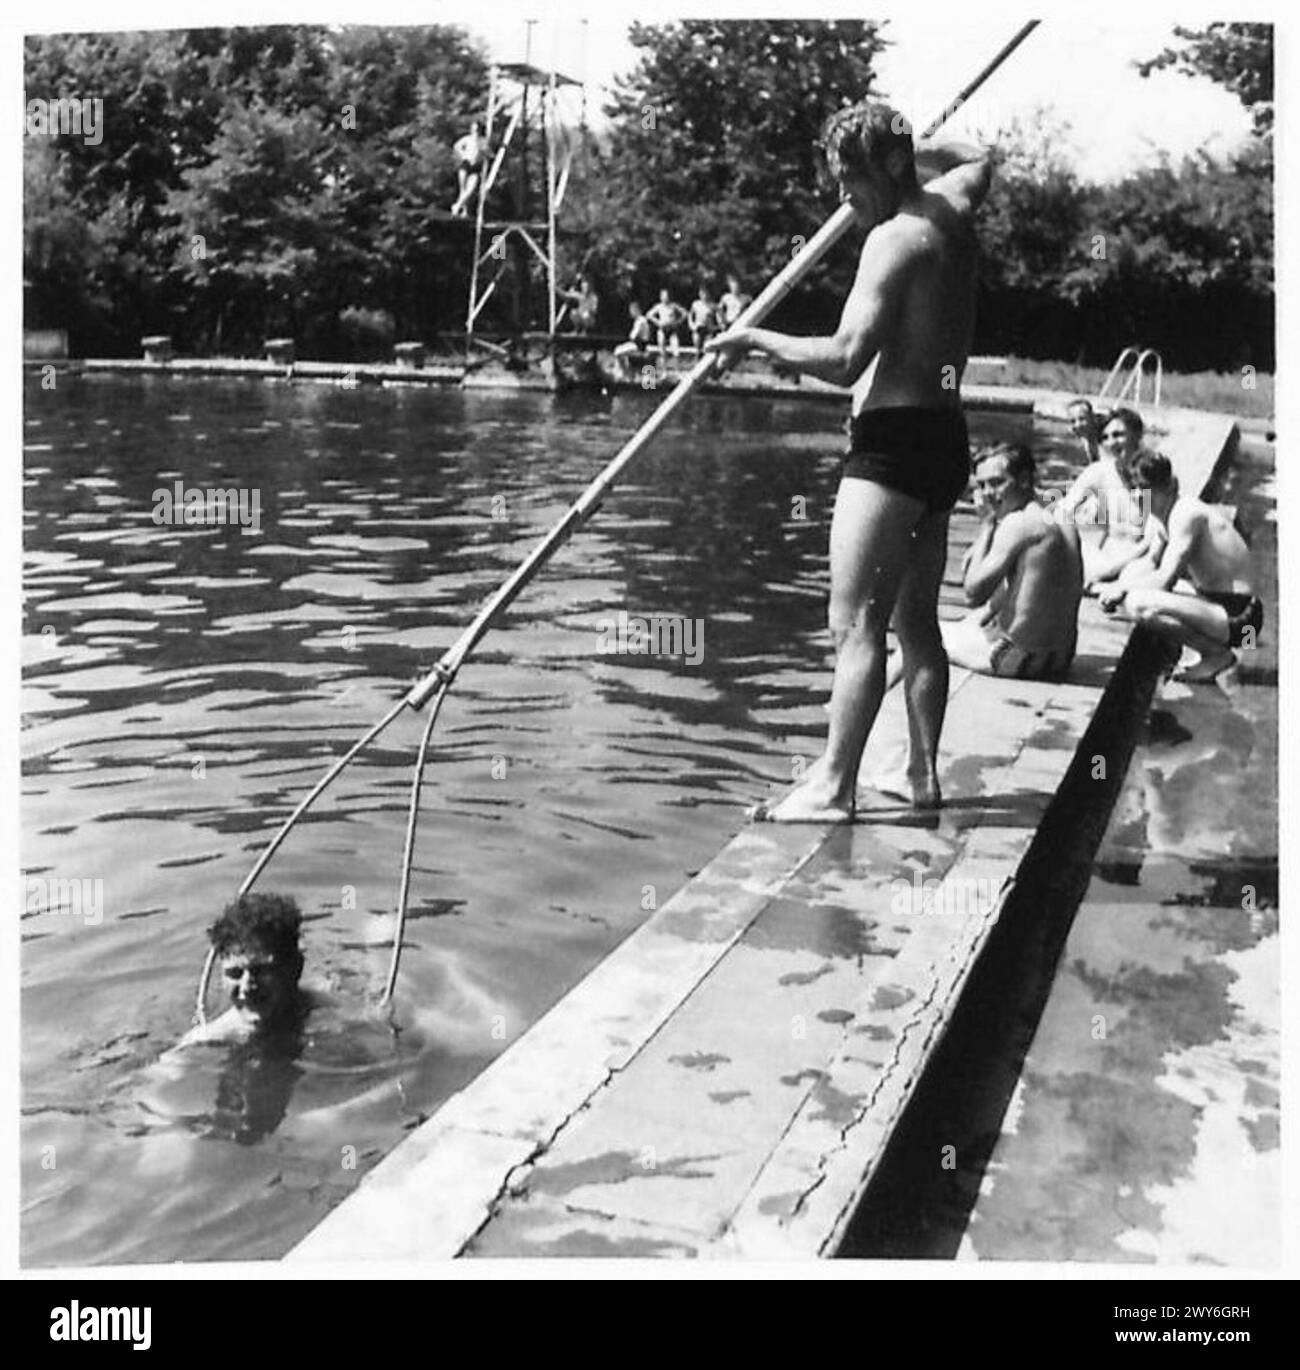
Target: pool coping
<point>1044,402</point>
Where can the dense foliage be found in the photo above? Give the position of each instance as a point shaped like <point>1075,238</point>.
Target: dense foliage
<point>258,181</point>
<point>249,182</point>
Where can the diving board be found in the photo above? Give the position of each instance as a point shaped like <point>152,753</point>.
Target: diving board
<point>725,1083</point>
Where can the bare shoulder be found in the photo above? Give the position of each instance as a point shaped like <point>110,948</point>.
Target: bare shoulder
<point>894,246</point>
<point>1033,523</point>
<point>1189,516</point>
<point>1090,478</point>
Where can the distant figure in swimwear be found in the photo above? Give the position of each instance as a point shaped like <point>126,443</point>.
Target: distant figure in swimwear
<point>469,152</point>
<point>666,317</point>
<point>638,339</point>
<point>1086,425</point>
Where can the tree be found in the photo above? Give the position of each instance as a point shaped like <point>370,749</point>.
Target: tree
<point>257,225</point>
<point>712,165</point>
<point>1237,56</point>
<point>248,179</point>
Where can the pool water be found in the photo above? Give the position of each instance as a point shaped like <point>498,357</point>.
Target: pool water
<point>185,685</point>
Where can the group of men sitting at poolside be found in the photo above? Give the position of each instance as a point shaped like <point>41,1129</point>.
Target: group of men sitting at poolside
<point>1174,563</point>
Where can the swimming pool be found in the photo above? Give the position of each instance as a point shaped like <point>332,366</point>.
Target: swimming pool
<point>184,685</point>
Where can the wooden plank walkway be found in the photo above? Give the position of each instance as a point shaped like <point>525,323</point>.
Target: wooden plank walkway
<point>725,1082</point>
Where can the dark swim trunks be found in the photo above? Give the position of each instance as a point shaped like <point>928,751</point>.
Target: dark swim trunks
<point>924,453</point>
<point>1244,612</point>
<point>1013,662</point>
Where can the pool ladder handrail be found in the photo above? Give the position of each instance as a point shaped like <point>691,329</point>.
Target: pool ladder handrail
<point>1136,360</point>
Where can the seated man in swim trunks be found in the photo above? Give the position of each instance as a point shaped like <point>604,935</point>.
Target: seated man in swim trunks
<point>256,941</point>
<point>1024,572</point>
<point>1217,610</point>
<point>910,312</point>
<point>732,304</point>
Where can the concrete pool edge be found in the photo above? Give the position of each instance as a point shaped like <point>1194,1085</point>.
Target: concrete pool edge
<point>1044,403</point>
<point>473,1151</point>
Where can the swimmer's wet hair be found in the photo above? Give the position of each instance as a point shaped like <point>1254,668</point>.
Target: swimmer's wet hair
<point>270,922</point>
<point>1151,471</point>
<point>862,136</point>
<point>1020,460</point>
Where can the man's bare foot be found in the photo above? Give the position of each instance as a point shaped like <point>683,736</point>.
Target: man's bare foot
<point>1208,669</point>
<point>810,802</point>
<point>921,792</point>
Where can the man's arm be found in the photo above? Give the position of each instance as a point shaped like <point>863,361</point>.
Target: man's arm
<point>1149,548</point>
<point>1185,529</point>
<point>1169,562</point>
<point>865,323</point>
<point>961,172</point>
<point>1085,484</point>
<point>994,554</point>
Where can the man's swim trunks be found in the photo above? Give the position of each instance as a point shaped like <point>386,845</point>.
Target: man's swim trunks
<point>924,453</point>
<point>1245,612</point>
<point>1012,662</point>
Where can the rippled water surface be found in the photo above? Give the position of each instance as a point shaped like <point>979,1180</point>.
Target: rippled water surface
<point>184,685</point>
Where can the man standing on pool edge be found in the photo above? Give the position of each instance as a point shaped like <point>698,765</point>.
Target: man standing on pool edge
<point>911,312</point>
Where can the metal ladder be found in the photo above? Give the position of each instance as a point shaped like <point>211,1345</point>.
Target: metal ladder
<point>1128,383</point>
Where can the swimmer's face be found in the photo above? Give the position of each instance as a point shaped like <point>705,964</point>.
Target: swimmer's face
<point>261,986</point>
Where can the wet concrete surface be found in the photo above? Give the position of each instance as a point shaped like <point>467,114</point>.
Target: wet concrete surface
<point>1117,1098</point>
<point>1146,1122</point>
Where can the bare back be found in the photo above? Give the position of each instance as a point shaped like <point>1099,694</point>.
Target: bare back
<point>1219,559</point>
<point>922,360</point>
<point>1040,608</point>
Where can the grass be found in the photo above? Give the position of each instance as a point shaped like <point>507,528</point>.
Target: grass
<point>1222,392</point>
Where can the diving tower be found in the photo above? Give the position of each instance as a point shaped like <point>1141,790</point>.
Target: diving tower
<point>530,111</point>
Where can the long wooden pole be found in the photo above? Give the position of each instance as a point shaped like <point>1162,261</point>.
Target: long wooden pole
<point>444,671</point>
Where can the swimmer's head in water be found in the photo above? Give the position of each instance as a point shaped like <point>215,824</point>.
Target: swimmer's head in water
<point>869,145</point>
<point>256,939</point>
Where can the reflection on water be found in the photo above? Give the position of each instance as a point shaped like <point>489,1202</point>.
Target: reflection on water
<point>184,685</point>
